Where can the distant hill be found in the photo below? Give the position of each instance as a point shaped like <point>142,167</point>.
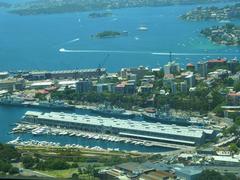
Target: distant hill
<point>65,6</point>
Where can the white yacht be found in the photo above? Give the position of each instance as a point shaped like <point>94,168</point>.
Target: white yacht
<point>143,28</point>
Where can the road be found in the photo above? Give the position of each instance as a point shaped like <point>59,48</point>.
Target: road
<point>28,172</point>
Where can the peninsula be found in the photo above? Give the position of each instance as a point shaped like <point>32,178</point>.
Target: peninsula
<point>228,34</point>
<point>66,6</point>
<point>213,13</point>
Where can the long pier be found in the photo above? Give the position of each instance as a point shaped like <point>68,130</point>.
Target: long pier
<point>36,129</point>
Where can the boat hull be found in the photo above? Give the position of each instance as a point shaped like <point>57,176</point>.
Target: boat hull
<point>109,114</point>
<point>167,120</point>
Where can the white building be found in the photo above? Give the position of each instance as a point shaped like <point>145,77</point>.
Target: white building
<point>171,68</point>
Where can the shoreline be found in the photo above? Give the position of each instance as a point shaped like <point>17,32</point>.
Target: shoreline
<point>44,9</point>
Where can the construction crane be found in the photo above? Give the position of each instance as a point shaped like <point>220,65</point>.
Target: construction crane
<point>101,65</point>
<point>170,56</point>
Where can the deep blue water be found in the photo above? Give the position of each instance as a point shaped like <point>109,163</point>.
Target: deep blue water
<point>33,42</point>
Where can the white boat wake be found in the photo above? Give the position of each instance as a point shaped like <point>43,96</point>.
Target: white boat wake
<point>62,50</point>
<point>72,41</point>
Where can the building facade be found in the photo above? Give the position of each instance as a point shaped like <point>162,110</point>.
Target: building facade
<point>202,69</point>
<point>83,86</point>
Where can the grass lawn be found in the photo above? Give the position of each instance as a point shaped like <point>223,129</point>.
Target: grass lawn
<point>61,173</point>
<point>85,164</point>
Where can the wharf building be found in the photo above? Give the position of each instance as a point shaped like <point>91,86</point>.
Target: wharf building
<point>67,74</point>
<point>156,132</point>
<point>12,84</point>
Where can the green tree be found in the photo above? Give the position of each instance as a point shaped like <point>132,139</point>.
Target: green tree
<point>229,82</point>
<point>28,162</point>
<point>41,97</point>
<point>55,164</point>
<point>232,130</point>
<point>5,166</point>
<point>75,176</point>
<point>233,147</point>
<point>237,121</point>
<point>13,170</point>
<point>237,87</point>
<point>75,165</point>
<point>230,176</point>
<point>80,171</point>
<point>218,110</point>
<point>8,152</point>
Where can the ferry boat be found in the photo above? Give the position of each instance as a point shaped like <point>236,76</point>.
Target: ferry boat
<point>110,111</point>
<point>53,105</point>
<point>17,101</point>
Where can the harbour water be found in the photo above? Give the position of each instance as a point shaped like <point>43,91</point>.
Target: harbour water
<point>33,42</point>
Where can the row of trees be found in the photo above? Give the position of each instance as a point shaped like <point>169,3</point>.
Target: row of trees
<point>8,154</point>
<point>7,167</point>
<point>48,164</point>
<point>53,164</point>
<point>90,171</point>
<point>125,101</point>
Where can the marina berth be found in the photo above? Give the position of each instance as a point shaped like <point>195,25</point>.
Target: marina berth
<point>127,128</point>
